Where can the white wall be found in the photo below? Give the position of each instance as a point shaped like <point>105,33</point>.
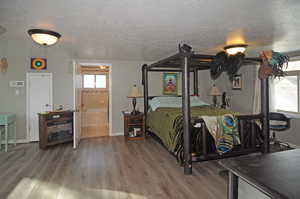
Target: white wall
<point>59,61</point>
<point>124,75</point>
<point>240,100</point>
<point>18,55</point>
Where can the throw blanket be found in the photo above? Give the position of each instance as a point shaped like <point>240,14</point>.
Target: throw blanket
<point>167,124</point>
<point>224,131</point>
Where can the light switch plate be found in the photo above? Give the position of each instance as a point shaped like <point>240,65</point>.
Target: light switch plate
<point>16,84</point>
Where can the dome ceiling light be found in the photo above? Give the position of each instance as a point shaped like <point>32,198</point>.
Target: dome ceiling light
<point>236,48</point>
<point>44,37</point>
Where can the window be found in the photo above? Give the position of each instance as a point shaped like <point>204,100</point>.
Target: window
<point>100,81</point>
<point>286,89</point>
<point>88,81</point>
<point>94,81</point>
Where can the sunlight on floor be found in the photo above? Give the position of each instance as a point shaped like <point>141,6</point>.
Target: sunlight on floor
<point>32,188</point>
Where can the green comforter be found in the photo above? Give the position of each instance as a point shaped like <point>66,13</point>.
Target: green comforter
<point>162,122</point>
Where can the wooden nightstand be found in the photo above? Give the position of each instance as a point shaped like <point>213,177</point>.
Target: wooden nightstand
<point>134,126</point>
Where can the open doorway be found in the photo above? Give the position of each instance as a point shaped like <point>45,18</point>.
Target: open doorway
<point>95,94</point>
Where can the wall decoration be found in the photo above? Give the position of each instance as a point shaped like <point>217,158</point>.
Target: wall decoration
<point>273,64</point>
<point>3,65</point>
<point>170,83</point>
<point>38,64</point>
<point>237,82</point>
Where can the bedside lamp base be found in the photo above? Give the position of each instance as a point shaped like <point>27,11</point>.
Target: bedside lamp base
<point>215,101</point>
<point>134,111</point>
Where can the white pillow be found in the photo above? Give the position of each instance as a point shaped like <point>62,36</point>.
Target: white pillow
<point>196,101</point>
<point>174,102</point>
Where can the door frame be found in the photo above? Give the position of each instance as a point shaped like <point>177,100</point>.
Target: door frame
<point>96,63</point>
<point>28,75</point>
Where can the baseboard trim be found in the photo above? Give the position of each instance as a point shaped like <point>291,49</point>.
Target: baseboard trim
<point>118,134</point>
<point>19,141</point>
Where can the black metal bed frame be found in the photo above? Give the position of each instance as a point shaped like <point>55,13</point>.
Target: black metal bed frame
<point>186,61</point>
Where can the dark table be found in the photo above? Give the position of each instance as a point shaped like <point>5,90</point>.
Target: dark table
<point>277,175</point>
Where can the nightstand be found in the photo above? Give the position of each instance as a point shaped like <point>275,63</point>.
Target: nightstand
<point>134,126</point>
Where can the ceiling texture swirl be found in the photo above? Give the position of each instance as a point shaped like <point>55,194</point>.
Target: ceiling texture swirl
<point>150,29</point>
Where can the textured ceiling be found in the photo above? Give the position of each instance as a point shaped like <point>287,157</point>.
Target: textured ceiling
<point>151,29</point>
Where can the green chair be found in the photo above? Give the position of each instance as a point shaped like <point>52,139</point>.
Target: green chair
<point>7,120</point>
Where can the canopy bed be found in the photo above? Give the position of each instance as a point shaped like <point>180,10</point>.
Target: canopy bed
<point>191,123</point>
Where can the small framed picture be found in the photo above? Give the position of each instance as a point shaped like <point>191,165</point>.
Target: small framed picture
<point>170,83</point>
<point>237,82</point>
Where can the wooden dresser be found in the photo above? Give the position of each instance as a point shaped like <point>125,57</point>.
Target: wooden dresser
<point>55,128</point>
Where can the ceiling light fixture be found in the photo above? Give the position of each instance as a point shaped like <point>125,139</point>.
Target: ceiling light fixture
<point>236,48</point>
<point>44,37</point>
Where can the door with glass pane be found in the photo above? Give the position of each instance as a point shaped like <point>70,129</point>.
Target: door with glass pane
<point>95,104</point>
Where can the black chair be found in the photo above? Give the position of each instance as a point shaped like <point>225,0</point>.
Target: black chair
<point>278,122</point>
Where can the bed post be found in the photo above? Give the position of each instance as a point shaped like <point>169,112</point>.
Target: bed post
<point>196,90</point>
<point>185,52</point>
<point>265,112</point>
<point>145,86</point>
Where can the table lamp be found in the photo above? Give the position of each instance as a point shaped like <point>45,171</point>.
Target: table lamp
<point>134,93</point>
<point>214,91</point>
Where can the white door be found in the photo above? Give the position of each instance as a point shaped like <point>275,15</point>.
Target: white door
<point>39,99</point>
<point>77,86</point>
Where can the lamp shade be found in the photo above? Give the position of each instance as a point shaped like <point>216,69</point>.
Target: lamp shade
<point>44,37</point>
<point>214,91</point>
<point>134,92</point>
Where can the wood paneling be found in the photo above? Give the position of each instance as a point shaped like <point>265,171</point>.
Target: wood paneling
<point>107,167</point>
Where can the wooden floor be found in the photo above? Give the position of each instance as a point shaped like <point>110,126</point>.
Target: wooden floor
<point>105,168</point>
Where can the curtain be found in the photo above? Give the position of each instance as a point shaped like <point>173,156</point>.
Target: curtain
<point>272,94</point>
<point>256,100</point>
<point>257,94</point>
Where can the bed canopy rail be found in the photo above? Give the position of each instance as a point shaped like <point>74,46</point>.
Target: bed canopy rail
<point>196,61</point>
<point>185,62</point>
